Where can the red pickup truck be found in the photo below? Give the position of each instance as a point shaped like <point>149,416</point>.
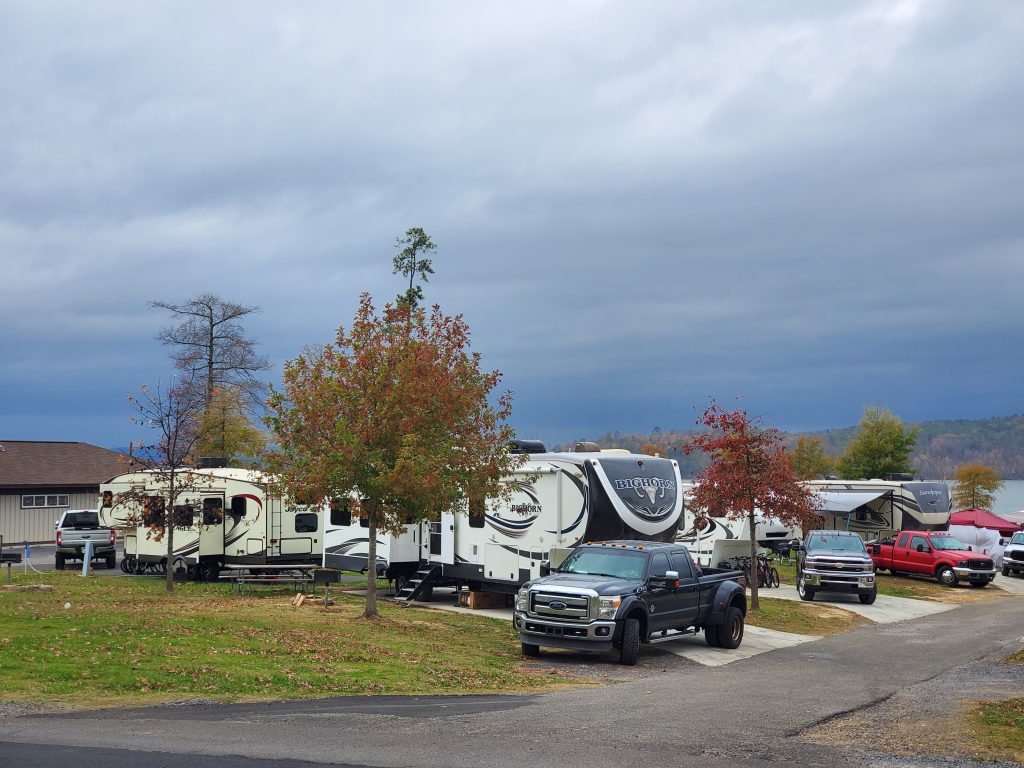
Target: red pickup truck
<point>933,553</point>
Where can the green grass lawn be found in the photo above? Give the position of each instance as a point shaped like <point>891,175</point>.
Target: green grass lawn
<point>103,640</point>
<point>803,618</point>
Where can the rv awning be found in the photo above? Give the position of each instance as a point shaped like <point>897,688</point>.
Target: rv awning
<point>844,502</point>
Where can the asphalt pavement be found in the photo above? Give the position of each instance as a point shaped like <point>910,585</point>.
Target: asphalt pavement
<point>747,713</point>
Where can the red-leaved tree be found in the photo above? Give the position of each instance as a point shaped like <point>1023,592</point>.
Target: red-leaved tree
<point>397,413</point>
<point>749,471</point>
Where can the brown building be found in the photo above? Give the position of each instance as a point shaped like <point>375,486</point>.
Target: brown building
<point>39,480</point>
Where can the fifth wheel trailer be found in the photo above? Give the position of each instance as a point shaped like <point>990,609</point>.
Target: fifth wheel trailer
<point>558,501</point>
<point>224,518</point>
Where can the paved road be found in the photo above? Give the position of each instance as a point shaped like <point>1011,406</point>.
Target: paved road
<point>746,713</point>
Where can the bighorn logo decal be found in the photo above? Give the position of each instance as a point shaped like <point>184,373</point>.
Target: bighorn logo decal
<point>647,496</point>
<point>653,487</point>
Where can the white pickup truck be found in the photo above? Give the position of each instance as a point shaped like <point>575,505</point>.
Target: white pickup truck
<point>75,528</point>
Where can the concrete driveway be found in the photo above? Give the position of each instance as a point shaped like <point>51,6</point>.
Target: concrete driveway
<point>756,640</point>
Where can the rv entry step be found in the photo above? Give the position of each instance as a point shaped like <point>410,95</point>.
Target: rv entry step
<point>420,585</point>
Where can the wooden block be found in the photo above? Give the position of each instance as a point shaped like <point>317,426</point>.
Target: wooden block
<point>478,600</point>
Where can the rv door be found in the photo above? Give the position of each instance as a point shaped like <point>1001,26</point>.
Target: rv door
<point>447,538</point>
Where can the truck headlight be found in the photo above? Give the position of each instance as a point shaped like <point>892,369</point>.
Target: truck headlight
<point>523,599</point>
<point>962,564</point>
<point>607,606</point>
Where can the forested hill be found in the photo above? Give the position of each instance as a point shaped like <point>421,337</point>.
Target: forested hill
<point>942,446</point>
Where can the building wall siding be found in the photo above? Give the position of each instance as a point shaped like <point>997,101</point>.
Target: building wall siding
<point>36,525</point>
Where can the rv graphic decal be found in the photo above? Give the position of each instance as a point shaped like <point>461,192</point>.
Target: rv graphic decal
<point>584,491</point>
<point>521,486</point>
<point>710,530</point>
<point>345,546</point>
<point>525,553</point>
<point>514,529</point>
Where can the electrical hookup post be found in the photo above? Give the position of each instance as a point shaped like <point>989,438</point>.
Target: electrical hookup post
<point>87,558</point>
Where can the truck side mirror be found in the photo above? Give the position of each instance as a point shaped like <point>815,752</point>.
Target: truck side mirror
<point>545,568</point>
<point>923,548</point>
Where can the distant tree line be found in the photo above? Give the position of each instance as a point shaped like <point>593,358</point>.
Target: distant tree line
<point>938,450</point>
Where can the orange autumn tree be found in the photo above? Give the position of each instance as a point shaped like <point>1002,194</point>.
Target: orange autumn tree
<point>396,414</point>
<point>749,471</point>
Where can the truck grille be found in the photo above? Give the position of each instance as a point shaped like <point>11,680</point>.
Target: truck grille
<point>980,565</point>
<point>838,567</point>
<point>567,607</point>
<point>1017,554</point>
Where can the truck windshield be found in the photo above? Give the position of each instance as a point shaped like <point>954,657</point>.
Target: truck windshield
<point>947,542</point>
<point>840,543</point>
<point>605,562</point>
<point>1018,538</point>
<point>81,520</point>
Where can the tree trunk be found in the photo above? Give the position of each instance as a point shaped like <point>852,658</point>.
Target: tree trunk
<point>370,611</point>
<point>755,606</point>
<point>169,534</point>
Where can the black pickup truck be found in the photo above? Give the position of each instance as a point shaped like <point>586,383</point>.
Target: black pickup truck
<point>618,594</point>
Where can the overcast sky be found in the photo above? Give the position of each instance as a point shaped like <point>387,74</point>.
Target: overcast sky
<point>812,206</point>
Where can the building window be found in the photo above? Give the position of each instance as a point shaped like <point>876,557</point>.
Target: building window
<point>47,500</point>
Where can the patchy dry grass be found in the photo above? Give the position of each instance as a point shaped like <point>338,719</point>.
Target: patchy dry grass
<point>804,618</point>
<point>102,640</point>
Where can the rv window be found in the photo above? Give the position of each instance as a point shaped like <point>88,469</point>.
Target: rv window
<point>340,513</point>
<point>306,522</point>
<point>476,512</point>
<point>213,510</point>
<point>238,506</point>
<point>153,511</point>
<point>183,515</point>
<point>364,521</point>
<point>108,499</point>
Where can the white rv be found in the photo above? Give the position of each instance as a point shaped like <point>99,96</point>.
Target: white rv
<point>224,518</point>
<point>878,509</point>
<point>714,540</point>
<point>558,500</point>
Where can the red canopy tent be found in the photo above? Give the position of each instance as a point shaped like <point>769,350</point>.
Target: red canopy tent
<point>979,518</point>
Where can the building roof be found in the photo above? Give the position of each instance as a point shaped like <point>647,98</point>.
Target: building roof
<point>26,464</point>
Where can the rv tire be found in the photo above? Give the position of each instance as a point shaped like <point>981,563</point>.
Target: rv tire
<point>208,570</point>
<point>946,577</point>
<point>529,649</point>
<point>629,647</point>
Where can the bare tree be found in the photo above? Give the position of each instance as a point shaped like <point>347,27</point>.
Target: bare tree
<point>175,414</point>
<point>211,346</point>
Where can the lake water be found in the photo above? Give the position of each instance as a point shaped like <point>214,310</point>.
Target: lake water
<point>1010,497</point>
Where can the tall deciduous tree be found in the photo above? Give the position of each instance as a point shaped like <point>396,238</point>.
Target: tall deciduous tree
<point>227,429</point>
<point>975,487</point>
<point>210,345</point>
<point>396,412</point>
<point>809,459</point>
<point>749,471</point>
<point>411,261</point>
<point>174,415</point>
<point>882,446</point>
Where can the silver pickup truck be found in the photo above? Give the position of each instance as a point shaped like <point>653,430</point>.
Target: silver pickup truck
<point>74,529</point>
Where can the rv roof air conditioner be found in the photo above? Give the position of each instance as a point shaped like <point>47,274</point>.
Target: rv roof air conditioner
<point>527,446</point>
<point>586,446</point>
